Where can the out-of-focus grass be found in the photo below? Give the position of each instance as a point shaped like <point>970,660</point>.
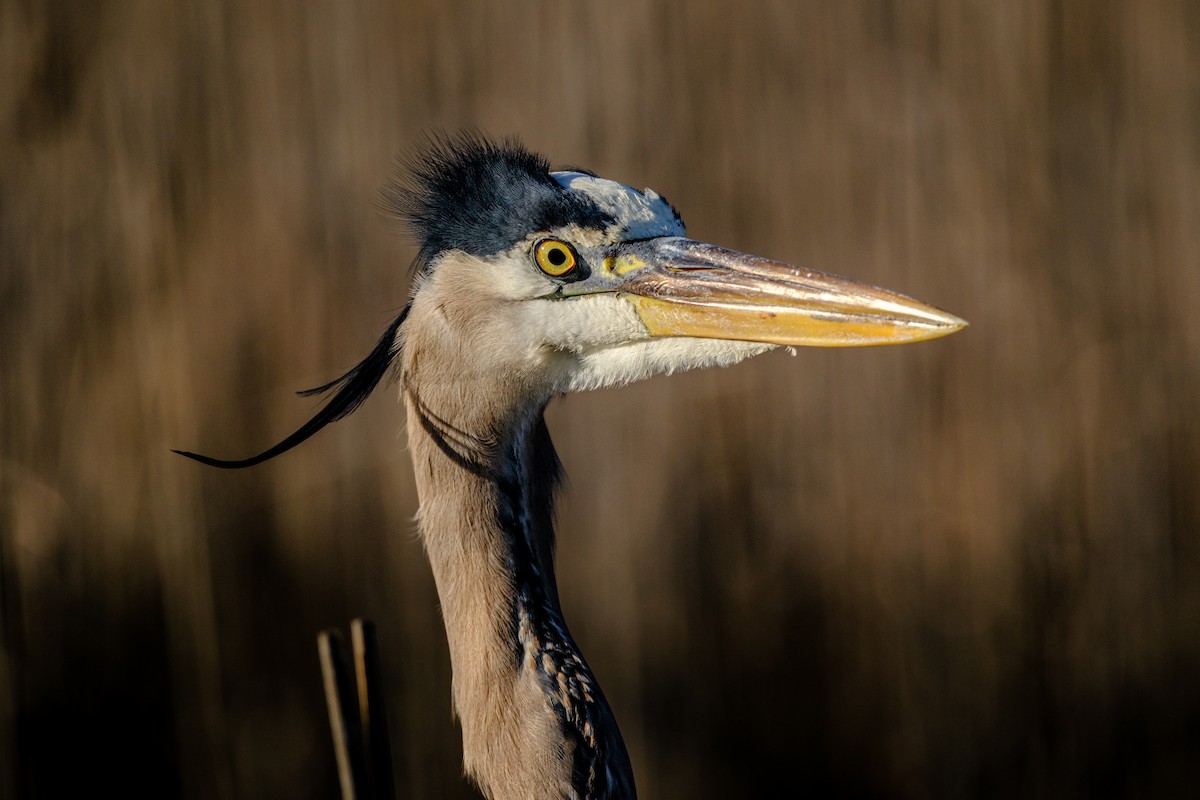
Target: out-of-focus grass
<point>963,568</point>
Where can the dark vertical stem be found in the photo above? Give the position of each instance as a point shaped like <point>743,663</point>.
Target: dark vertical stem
<point>372,710</point>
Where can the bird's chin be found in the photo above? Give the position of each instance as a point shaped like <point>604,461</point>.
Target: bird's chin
<point>608,366</point>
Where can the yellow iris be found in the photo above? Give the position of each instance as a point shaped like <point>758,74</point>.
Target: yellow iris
<point>554,258</point>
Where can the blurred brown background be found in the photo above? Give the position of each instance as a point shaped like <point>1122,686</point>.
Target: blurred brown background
<point>964,568</point>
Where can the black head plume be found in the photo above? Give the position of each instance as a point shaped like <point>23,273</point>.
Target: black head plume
<point>482,196</point>
<point>351,390</point>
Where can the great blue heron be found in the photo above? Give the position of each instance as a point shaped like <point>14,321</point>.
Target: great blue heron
<point>530,284</point>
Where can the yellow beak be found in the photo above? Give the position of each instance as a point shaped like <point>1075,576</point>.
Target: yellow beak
<point>685,288</point>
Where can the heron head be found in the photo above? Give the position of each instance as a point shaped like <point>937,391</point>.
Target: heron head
<point>581,282</point>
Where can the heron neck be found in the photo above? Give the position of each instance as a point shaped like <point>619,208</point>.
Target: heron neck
<point>535,723</point>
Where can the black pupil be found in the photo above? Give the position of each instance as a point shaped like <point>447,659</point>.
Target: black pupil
<point>557,256</point>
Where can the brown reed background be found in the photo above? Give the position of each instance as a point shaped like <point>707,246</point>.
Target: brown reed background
<point>963,568</point>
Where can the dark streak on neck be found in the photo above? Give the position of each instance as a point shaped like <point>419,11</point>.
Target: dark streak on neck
<point>600,764</point>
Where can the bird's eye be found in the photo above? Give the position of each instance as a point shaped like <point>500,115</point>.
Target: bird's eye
<point>554,258</point>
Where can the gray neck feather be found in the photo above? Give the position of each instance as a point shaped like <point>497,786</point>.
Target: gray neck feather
<point>535,723</point>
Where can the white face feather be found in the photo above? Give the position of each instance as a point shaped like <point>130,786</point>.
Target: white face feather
<point>603,367</point>
<point>605,343</point>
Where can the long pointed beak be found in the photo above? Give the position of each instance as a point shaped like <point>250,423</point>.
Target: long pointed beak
<point>685,288</point>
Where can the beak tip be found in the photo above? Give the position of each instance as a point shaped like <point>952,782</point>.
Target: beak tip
<point>953,324</point>
<point>943,323</point>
